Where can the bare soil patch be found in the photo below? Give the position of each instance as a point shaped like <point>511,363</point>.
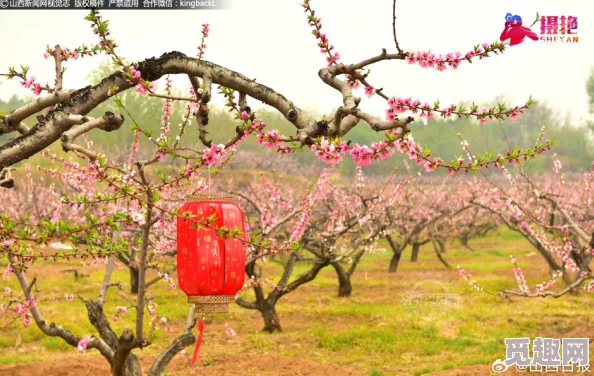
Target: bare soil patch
<point>232,364</point>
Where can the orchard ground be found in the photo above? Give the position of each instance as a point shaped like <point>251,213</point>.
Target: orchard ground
<point>377,331</point>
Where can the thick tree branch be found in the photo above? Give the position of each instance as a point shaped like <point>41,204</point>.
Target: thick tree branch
<point>142,274</point>
<point>106,278</point>
<point>126,344</point>
<point>108,122</point>
<point>352,68</point>
<point>81,102</point>
<point>22,128</point>
<point>55,330</point>
<point>201,113</point>
<point>343,87</point>
<point>166,356</point>
<point>59,73</point>
<point>308,276</point>
<point>190,320</point>
<point>245,304</point>
<point>15,117</point>
<point>377,125</point>
<point>99,321</point>
<point>207,83</point>
<point>6,180</point>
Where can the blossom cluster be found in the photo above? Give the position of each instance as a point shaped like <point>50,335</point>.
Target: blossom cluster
<point>545,285</point>
<point>519,276</point>
<point>83,343</point>
<point>325,47</point>
<point>213,155</point>
<point>329,151</point>
<point>167,279</point>
<point>397,105</point>
<point>307,206</point>
<point>67,54</point>
<point>558,168</point>
<point>269,139</point>
<point>166,117</point>
<point>141,86</point>
<point>362,155</point>
<point>30,83</point>
<point>427,59</point>
<point>101,29</point>
<point>120,312</point>
<point>256,126</point>
<point>22,309</point>
<point>202,47</point>
<point>464,274</point>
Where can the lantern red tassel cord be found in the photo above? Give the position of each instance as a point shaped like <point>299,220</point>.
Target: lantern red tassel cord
<point>200,327</point>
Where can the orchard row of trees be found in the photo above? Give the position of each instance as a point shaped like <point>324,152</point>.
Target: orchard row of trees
<point>383,215</point>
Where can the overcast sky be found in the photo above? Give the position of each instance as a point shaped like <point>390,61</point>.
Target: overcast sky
<point>270,40</point>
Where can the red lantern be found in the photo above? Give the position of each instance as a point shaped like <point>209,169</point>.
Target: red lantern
<point>210,269</point>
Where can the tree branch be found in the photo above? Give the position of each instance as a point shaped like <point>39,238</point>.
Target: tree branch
<point>308,276</point>
<point>48,130</point>
<point>126,344</point>
<point>378,125</point>
<point>16,116</point>
<point>167,355</point>
<point>106,278</point>
<point>99,321</point>
<point>6,180</point>
<point>394,26</point>
<point>245,304</point>
<point>544,294</point>
<point>59,73</point>
<point>55,330</point>
<point>109,122</point>
<point>142,274</point>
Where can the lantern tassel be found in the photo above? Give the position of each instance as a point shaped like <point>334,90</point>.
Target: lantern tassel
<point>200,327</point>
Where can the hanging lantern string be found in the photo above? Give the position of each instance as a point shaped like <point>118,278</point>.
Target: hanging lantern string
<point>200,327</point>
<point>209,181</point>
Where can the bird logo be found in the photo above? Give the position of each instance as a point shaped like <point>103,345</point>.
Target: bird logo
<point>515,32</point>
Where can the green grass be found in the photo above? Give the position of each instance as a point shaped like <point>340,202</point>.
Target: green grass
<point>372,331</point>
<point>18,359</point>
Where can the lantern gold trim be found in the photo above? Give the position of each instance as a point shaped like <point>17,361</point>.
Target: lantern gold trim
<point>211,303</point>
<point>225,197</point>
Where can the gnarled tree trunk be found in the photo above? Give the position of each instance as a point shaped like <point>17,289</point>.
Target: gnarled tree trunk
<point>124,363</point>
<point>271,320</point>
<point>345,287</point>
<point>464,239</point>
<point>442,245</point>
<point>415,252</point>
<point>267,305</point>
<point>134,279</point>
<point>396,256</point>
<point>344,280</point>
